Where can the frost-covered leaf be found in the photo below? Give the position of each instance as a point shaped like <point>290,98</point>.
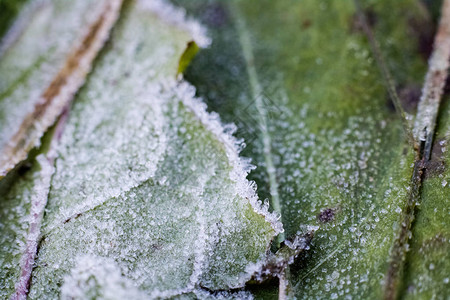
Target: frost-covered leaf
<point>149,197</point>
<point>44,59</point>
<point>23,196</point>
<point>302,83</point>
<point>8,11</point>
<point>428,269</point>
<point>98,278</point>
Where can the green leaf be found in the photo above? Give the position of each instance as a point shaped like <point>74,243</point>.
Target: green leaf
<point>8,11</point>
<point>427,271</point>
<point>44,59</point>
<point>302,82</point>
<point>149,197</point>
<point>138,192</point>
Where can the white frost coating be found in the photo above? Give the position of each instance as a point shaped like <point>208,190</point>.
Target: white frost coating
<point>204,247</point>
<point>172,205</point>
<point>19,25</point>
<point>201,245</point>
<point>51,97</point>
<point>38,202</point>
<point>98,165</point>
<point>223,295</point>
<point>212,122</point>
<point>177,16</point>
<point>40,50</point>
<point>99,278</point>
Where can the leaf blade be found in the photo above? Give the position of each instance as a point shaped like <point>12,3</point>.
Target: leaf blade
<point>146,180</point>
<point>335,140</point>
<point>24,87</point>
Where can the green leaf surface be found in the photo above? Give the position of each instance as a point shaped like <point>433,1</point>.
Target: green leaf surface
<point>8,11</point>
<point>303,86</point>
<point>44,59</point>
<point>149,197</point>
<point>427,271</point>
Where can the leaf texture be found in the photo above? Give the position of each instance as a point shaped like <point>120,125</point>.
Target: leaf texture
<point>148,197</point>
<point>314,109</point>
<point>43,61</point>
<point>426,274</point>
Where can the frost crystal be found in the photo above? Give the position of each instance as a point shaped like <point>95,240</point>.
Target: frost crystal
<point>44,67</point>
<point>21,209</point>
<point>149,197</point>
<point>98,278</point>
<point>177,16</point>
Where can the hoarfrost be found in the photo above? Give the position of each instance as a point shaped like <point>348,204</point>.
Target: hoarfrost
<point>223,295</point>
<point>98,278</point>
<point>145,177</point>
<point>22,202</point>
<point>177,16</point>
<point>44,67</point>
<point>42,49</point>
<point>313,179</point>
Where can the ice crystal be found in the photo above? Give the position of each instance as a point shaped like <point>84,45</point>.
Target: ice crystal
<point>149,195</point>
<point>42,65</point>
